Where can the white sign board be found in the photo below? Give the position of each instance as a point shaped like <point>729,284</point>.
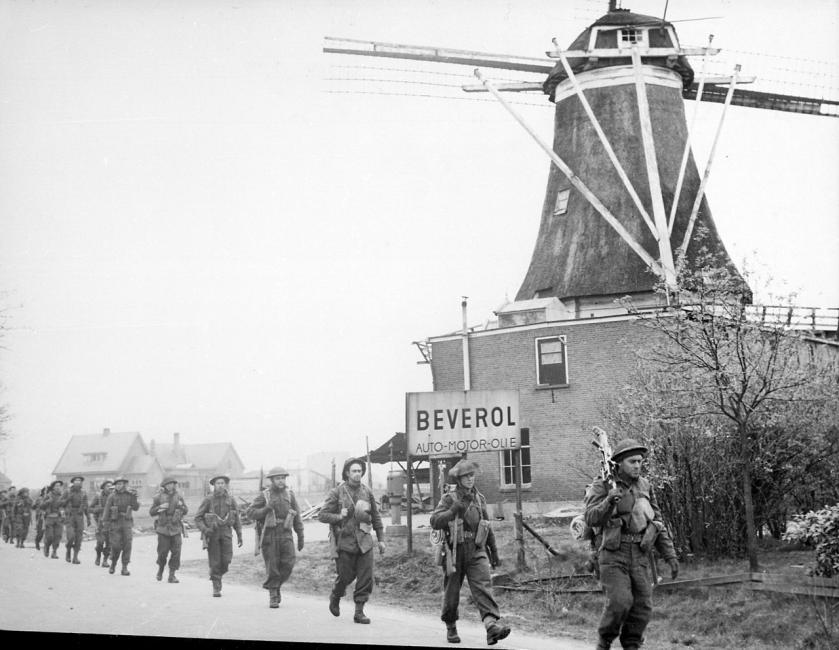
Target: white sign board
<point>451,422</point>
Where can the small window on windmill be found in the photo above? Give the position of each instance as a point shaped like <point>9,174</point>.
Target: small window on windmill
<point>631,36</point>
<point>561,206</point>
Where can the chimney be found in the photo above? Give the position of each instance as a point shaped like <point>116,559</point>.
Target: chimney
<point>176,439</point>
<point>106,431</point>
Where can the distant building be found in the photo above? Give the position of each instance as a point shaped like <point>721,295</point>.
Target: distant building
<point>195,464</point>
<point>106,455</point>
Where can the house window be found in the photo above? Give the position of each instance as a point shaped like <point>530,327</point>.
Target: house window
<point>551,361</point>
<point>95,458</point>
<point>561,206</point>
<point>508,476</point>
<point>631,36</point>
<point>183,485</point>
<point>136,483</point>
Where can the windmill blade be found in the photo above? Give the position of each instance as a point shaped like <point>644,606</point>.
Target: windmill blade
<point>770,101</point>
<point>436,55</point>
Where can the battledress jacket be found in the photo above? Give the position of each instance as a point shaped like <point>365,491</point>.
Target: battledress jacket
<point>74,502</point>
<point>610,520</point>
<point>282,501</point>
<point>169,510</point>
<point>476,510</point>
<point>218,513</point>
<point>353,533</point>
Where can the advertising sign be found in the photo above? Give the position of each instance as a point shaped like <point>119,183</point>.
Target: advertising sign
<point>452,422</point>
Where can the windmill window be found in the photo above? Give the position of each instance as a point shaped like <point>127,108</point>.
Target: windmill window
<point>561,206</point>
<point>551,361</point>
<point>631,36</point>
<point>508,476</point>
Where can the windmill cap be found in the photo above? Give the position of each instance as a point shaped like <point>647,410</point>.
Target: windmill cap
<point>345,473</point>
<point>462,467</point>
<point>628,447</point>
<point>279,470</point>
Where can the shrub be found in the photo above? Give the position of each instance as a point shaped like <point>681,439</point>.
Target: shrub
<point>819,529</point>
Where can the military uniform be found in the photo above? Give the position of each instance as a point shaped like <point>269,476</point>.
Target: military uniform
<point>7,504</point>
<point>119,515</point>
<point>53,520</point>
<point>97,508</point>
<point>627,526</point>
<point>276,512</point>
<point>462,513</point>
<point>169,508</point>
<point>76,514</point>
<point>217,518</point>
<point>352,539</point>
<point>39,517</point>
<point>21,516</point>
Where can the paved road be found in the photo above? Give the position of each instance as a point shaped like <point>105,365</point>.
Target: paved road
<point>40,594</point>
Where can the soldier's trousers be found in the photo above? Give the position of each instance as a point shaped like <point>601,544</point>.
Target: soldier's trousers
<point>73,529</point>
<point>625,576</point>
<point>354,566</point>
<point>20,528</point>
<point>169,545</point>
<point>121,536</point>
<point>219,552</point>
<point>278,554</point>
<point>7,528</point>
<point>39,530</point>
<point>103,544</point>
<point>470,563</point>
<point>53,529</point>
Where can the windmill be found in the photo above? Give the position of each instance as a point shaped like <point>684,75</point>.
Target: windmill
<point>625,203</point>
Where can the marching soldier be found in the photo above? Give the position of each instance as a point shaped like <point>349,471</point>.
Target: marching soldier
<point>216,516</point>
<point>21,516</point>
<point>351,512</point>
<point>7,504</point>
<point>462,513</point>
<point>276,512</point>
<point>53,519</point>
<point>97,508</point>
<point>169,507</point>
<point>628,524</point>
<point>39,517</point>
<point>76,512</point>
<point>119,515</point>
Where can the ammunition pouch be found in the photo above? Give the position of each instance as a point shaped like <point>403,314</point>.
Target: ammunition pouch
<point>612,535</point>
<point>482,533</point>
<point>211,520</point>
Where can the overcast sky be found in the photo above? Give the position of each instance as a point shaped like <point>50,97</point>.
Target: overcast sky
<point>211,227</point>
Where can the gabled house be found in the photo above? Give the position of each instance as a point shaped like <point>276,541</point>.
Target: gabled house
<point>107,455</point>
<point>194,465</point>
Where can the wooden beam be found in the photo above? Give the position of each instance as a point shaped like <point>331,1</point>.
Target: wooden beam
<point>705,582</point>
<point>578,184</point>
<point>625,51</point>
<point>664,250</point>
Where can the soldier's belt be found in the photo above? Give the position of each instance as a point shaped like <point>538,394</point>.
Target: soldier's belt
<point>635,538</point>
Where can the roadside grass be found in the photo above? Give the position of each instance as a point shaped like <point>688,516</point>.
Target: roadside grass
<point>729,616</point>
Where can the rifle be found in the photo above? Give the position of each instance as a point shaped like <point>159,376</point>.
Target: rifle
<point>257,529</point>
<point>607,466</point>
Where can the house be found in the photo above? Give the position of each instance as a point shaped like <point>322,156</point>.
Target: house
<point>107,455</point>
<point>194,465</point>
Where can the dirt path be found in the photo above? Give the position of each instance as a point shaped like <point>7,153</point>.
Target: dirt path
<point>41,594</point>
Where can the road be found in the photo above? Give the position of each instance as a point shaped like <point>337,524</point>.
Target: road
<point>46,595</point>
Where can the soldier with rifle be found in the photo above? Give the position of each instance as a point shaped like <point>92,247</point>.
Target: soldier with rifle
<point>21,516</point>
<point>276,514</point>
<point>350,510</point>
<point>97,508</point>
<point>53,519</point>
<point>217,517</point>
<point>39,517</point>
<point>119,515</point>
<point>470,551</point>
<point>169,507</point>
<point>76,512</point>
<point>7,503</point>
<point>622,510</point>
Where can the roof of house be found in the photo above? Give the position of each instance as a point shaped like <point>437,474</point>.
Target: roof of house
<point>208,455</point>
<point>142,464</point>
<point>115,446</point>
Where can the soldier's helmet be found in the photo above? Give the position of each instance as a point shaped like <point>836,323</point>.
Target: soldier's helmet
<point>279,470</point>
<point>120,479</point>
<point>23,491</point>
<point>345,473</point>
<point>628,447</point>
<point>81,478</point>
<point>106,483</point>
<point>463,466</point>
<point>56,482</point>
<point>168,479</point>
<point>223,477</point>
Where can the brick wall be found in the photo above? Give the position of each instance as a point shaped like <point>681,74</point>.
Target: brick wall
<point>601,357</point>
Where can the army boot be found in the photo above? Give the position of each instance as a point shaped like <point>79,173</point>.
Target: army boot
<point>125,571</point>
<point>67,555</point>
<point>46,551</point>
<point>37,545</point>
<point>105,560</point>
<point>216,587</point>
<point>451,633</point>
<point>54,555</point>
<point>359,616</point>
<point>273,598</point>
<point>172,577</point>
<point>113,567</point>
<point>98,559</point>
<point>159,575</point>
<point>334,604</point>
<point>602,644</point>
<point>76,556</point>
<point>495,630</point>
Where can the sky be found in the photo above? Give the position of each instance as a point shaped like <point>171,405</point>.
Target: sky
<point>209,226</point>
